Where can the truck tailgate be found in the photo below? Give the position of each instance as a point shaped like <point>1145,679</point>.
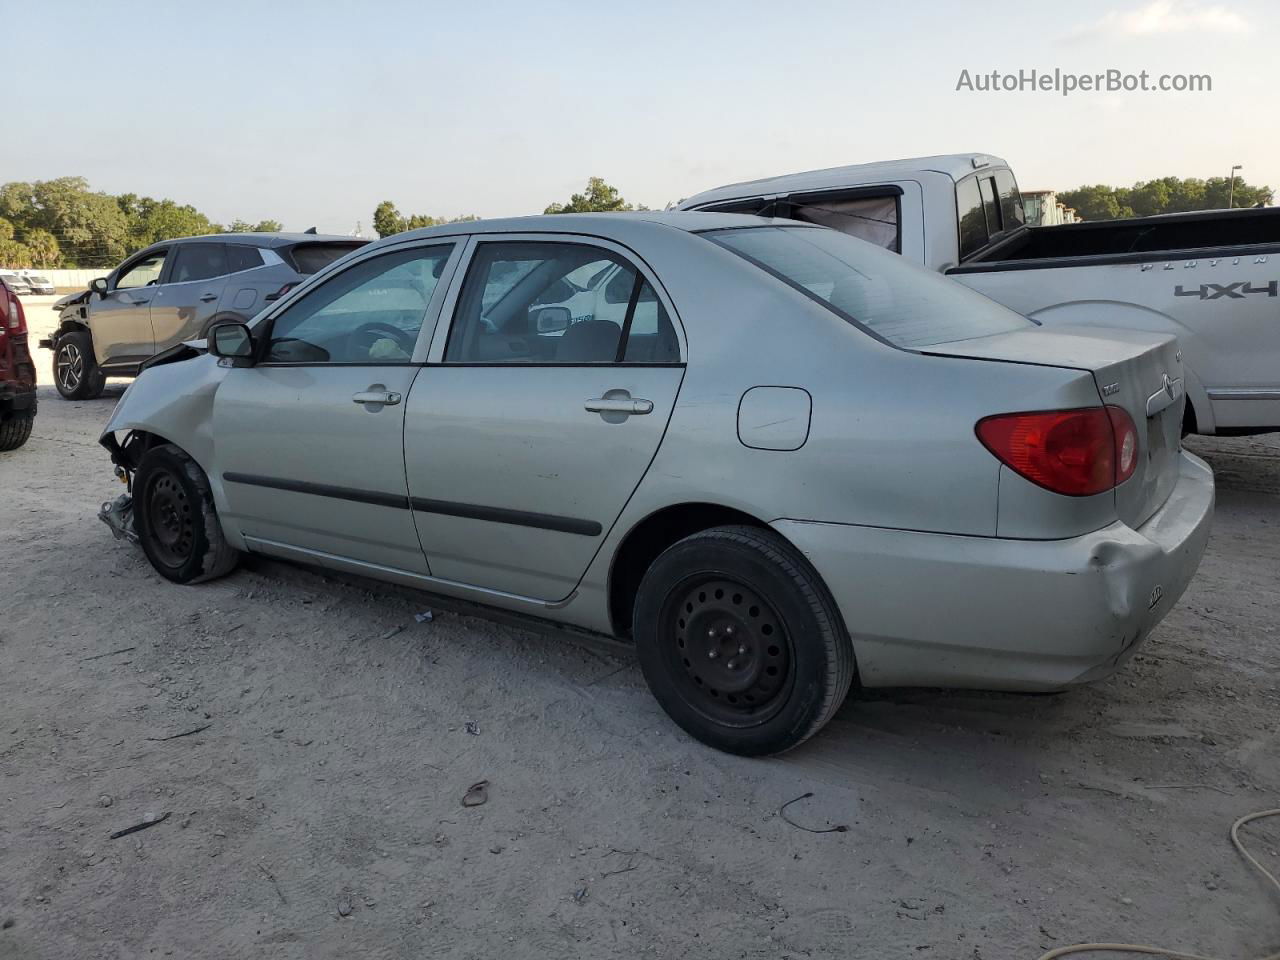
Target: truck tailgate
<point>1141,372</point>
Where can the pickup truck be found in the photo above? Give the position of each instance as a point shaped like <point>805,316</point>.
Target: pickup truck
<point>1210,278</point>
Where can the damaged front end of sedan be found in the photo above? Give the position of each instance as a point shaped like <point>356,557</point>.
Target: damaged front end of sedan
<point>170,402</point>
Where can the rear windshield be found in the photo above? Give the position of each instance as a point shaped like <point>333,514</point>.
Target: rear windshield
<point>881,292</point>
<point>311,258</point>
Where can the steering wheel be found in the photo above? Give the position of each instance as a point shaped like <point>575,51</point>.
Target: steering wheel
<point>370,333</point>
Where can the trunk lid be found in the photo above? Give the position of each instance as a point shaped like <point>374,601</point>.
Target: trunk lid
<point>1137,371</point>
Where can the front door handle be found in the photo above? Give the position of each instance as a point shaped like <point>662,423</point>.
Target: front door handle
<point>632,406</point>
<point>138,302</point>
<point>381,397</point>
<point>209,298</point>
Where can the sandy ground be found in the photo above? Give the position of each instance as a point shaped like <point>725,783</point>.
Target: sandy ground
<point>318,813</point>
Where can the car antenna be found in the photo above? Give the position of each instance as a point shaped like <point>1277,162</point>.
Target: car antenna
<point>310,230</point>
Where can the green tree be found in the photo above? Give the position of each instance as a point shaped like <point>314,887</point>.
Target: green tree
<point>1163,195</point>
<point>45,252</point>
<point>388,220</point>
<point>91,228</point>
<point>262,226</point>
<point>12,253</point>
<point>151,221</point>
<point>599,197</point>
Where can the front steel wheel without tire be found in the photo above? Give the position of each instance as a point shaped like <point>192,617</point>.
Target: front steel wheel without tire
<point>174,514</point>
<point>740,641</point>
<point>75,371</point>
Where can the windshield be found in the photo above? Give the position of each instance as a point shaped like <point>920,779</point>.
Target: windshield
<point>881,292</point>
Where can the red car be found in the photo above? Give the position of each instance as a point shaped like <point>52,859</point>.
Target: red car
<point>17,373</point>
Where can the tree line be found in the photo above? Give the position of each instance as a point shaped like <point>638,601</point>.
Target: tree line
<point>63,223</point>
<point>1147,198</point>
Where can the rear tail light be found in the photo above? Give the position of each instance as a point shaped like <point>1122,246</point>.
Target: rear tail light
<point>1074,452</point>
<point>271,297</point>
<point>15,319</point>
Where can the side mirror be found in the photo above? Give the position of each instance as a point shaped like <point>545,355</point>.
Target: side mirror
<point>552,319</point>
<point>231,341</point>
<point>99,286</point>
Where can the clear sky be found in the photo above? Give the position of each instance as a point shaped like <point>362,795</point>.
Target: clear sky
<point>313,113</point>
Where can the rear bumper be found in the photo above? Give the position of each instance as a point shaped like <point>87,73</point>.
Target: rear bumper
<point>17,400</point>
<point>936,610</point>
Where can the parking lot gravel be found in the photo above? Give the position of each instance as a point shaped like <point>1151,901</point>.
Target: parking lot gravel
<point>295,748</point>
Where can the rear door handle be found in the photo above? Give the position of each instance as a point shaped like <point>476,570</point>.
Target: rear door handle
<point>633,406</point>
<point>381,397</point>
<point>209,298</point>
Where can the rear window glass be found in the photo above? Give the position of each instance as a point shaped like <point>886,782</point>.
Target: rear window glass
<point>904,304</point>
<point>311,258</point>
<point>973,222</point>
<point>1011,210</point>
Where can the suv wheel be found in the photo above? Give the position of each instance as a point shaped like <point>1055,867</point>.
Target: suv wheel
<point>740,641</point>
<point>175,518</point>
<point>75,371</point>
<point>15,431</point>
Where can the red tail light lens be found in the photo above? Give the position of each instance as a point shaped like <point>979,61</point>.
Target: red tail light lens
<point>1074,452</point>
<point>13,318</point>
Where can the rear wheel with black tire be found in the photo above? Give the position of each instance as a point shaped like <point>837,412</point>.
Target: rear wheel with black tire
<point>175,518</point>
<point>75,370</point>
<point>15,431</point>
<point>740,641</point>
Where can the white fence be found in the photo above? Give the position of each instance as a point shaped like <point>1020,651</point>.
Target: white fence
<point>69,279</point>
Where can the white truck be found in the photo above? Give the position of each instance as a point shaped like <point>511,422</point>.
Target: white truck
<point>1210,278</point>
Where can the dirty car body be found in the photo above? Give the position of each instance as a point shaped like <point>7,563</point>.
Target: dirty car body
<point>791,456</point>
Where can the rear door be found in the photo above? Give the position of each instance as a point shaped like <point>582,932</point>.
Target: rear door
<point>309,441</point>
<point>533,423</point>
<point>121,321</point>
<point>188,298</point>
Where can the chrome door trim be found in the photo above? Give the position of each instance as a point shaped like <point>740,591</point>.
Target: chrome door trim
<point>395,574</point>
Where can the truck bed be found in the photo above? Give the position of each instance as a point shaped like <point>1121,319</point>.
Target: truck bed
<point>1176,234</point>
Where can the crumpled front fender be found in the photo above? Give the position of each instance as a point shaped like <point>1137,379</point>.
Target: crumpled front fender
<point>173,401</point>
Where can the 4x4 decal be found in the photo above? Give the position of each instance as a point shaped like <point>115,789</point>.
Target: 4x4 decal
<point>1230,291</point>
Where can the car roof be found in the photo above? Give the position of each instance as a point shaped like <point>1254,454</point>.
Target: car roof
<point>263,239</point>
<point>621,227</point>
<point>954,165</point>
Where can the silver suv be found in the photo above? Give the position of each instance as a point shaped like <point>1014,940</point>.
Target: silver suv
<point>174,291</point>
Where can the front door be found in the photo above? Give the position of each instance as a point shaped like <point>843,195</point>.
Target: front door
<point>309,441</point>
<point>526,438</point>
<point>188,299</point>
<point>121,321</point>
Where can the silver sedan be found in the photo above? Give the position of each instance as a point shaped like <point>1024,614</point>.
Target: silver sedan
<point>775,458</point>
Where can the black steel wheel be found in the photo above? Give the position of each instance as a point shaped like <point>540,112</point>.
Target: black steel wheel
<point>730,651</point>
<point>740,641</point>
<point>75,370</point>
<point>176,521</point>
<point>169,518</point>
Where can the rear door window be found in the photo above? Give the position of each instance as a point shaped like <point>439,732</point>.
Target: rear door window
<point>884,294</point>
<point>531,302</point>
<point>198,261</point>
